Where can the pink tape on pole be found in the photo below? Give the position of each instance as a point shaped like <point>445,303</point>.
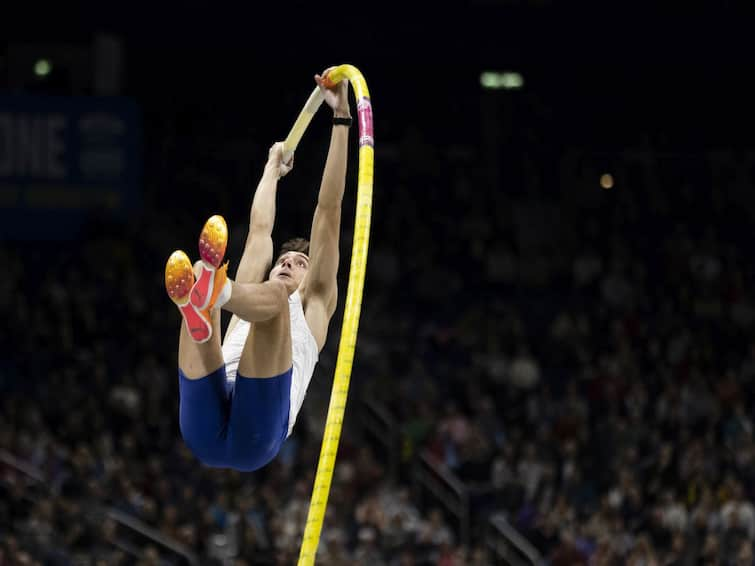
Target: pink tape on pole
<point>364,110</point>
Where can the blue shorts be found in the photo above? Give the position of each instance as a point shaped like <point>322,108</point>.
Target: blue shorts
<point>241,425</point>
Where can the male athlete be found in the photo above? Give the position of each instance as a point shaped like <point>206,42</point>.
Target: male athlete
<point>239,402</point>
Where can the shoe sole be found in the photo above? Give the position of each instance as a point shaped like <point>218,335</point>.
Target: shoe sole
<point>179,279</point>
<point>197,325</point>
<point>213,241</point>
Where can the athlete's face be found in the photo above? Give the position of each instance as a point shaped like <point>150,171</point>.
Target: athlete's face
<point>291,267</point>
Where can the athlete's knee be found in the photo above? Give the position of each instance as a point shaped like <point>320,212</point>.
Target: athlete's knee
<point>280,291</point>
<point>279,296</point>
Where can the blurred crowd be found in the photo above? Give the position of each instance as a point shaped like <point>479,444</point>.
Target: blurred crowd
<point>583,364</point>
<point>588,369</point>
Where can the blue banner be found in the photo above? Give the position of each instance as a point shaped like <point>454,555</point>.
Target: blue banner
<point>63,159</point>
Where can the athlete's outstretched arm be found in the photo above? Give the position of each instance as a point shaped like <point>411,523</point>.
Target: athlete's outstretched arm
<point>320,293</point>
<point>258,251</point>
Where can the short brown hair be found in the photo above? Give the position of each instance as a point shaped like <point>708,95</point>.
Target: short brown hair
<point>300,245</point>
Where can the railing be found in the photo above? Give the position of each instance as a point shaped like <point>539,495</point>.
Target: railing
<point>27,469</point>
<point>378,423</point>
<point>137,534</point>
<point>503,540</point>
<point>428,475</point>
<point>447,489</point>
<point>142,534</point>
<point>508,545</point>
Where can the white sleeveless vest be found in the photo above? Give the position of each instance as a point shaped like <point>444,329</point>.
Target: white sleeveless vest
<point>304,354</point>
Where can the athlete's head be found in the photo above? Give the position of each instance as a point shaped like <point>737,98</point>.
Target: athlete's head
<point>292,263</point>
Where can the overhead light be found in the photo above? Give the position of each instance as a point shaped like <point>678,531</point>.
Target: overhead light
<point>42,68</point>
<point>506,80</point>
<point>606,180</point>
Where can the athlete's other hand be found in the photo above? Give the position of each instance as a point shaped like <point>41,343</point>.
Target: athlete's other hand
<point>276,162</point>
<point>337,97</point>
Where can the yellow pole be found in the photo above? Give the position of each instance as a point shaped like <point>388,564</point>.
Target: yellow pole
<point>339,393</point>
